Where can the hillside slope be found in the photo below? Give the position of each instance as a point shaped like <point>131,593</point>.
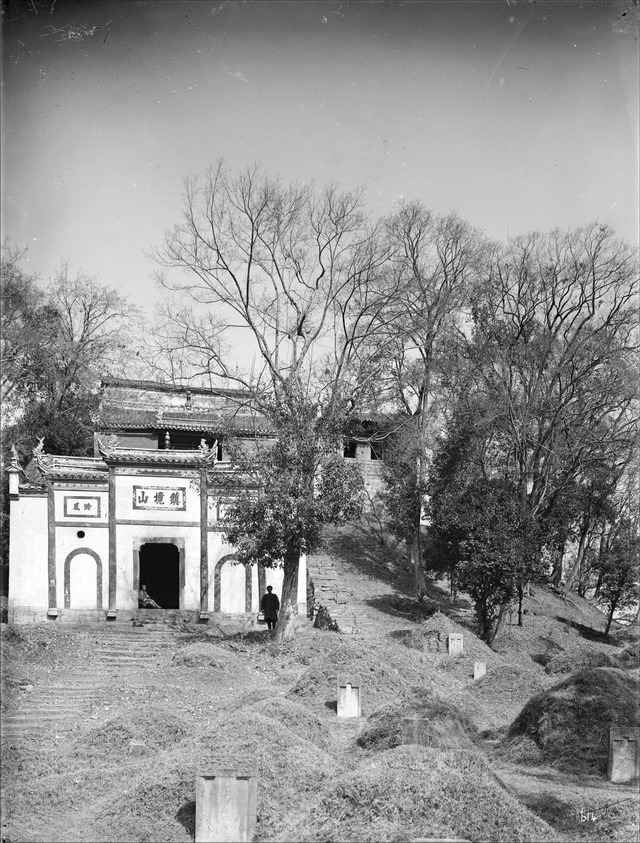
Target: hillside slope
<point>183,692</point>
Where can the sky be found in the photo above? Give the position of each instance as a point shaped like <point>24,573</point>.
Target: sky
<point>519,116</point>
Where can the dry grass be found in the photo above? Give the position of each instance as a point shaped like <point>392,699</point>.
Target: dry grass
<point>411,792</point>
<point>449,727</point>
<point>570,721</point>
<point>320,779</point>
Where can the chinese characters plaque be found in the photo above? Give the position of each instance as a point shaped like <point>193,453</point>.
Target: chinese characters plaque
<point>169,499</point>
<point>81,507</point>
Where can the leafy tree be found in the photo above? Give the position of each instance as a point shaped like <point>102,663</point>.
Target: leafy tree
<point>620,573</point>
<point>304,484</point>
<point>488,532</point>
<point>434,263</point>
<point>292,272</point>
<point>552,352</point>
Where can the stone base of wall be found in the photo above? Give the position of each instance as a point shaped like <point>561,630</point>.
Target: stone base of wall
<point>227,623</point>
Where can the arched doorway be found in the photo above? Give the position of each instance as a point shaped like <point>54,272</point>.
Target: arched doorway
<point>83,579</point>
<point>232,586</point>
<point>160,573</point>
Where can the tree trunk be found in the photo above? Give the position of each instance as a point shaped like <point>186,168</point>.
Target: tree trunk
<point>556,575</point>
<point>453,585</point>
<point>502,614</point>
<point>614,604</point>
<point>583,546</point>
<point>421,475</point>
<point>596,593</point>
<point>288,615</point>
<point>520,598</point>
<point>415,554</point>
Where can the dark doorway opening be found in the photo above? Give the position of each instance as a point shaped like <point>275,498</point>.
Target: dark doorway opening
<point>160,572</point>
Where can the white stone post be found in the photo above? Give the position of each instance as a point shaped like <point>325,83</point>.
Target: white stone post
<point>454,644</point>
<point>624,760</point>
<point>479,669</point>
<point>226,800</point>
<point>349,699</point>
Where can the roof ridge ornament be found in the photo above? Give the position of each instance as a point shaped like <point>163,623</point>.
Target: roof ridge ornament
<point>112,442</point>
<point>39,449</point>
<point>15,459</point>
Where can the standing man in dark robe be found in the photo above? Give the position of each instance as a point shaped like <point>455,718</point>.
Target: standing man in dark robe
<point>270,606</point>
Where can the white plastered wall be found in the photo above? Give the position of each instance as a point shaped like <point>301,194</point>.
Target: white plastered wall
<point>68,541</point>
<point>157,524</point>
<point>28,553</point>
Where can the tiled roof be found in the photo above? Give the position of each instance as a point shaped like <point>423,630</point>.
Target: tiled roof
<point>144,405</point>
<point>149,456</point>
<point>153,386</point>
<point>54,467</point>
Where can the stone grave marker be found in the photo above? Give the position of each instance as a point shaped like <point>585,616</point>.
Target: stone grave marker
<point>416,730</point>
<point>226,799</point>
<point>349,696</point>
<point>624,761</point>
<point>479,669</point>
<point>454,643</point>
<point>136,747</point>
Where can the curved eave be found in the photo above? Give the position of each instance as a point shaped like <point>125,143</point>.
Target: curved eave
<point>145,456</point>
<point>213,428</point>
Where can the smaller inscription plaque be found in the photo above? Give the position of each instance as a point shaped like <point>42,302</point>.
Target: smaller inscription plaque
<point>81,506</point>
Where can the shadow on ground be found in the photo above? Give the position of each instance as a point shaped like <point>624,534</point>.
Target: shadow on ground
<point>400,606</point>
<point>186,816</point>
<point>589,632</point>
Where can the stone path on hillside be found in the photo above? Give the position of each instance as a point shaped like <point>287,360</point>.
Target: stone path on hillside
<point>344,594</point>
<point>57,706</point>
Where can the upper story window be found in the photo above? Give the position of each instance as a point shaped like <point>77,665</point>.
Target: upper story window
<point>349,450</point>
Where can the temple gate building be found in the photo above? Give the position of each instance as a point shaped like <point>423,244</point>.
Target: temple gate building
<point>146,509</point>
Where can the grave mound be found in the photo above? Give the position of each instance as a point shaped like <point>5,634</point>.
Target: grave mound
<point>382,680</point>
<point>414,791</point>
<point>156,727</point>
<point>449,727</point>
<point>569,723</point>
<point>508,681</point>
<point>629,658</point>
<point>570,661</point>
<point>203,654</point>
<point>291,768</point>
<point>294,717</point>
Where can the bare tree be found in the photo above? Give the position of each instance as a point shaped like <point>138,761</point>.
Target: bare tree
<point>291,271</point>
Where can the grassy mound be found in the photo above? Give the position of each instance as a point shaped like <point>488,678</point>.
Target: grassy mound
<point>570,721</point>
<point>629,657</point>
<point>382,678</point>
<point>203,654</point>
<point>449,727</point>
<point>570,661</point>
<point>291,769</point>
<point>156,727</point>
<point>508,681</point>
<point>412,792</point>
<point>296,718</point>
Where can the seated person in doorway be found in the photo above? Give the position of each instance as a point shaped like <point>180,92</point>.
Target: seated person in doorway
<point>145,601</point>
<point>270,605</point>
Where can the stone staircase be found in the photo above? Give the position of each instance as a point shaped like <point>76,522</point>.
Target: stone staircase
<point>59,704</point>
<point>329,592</point>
